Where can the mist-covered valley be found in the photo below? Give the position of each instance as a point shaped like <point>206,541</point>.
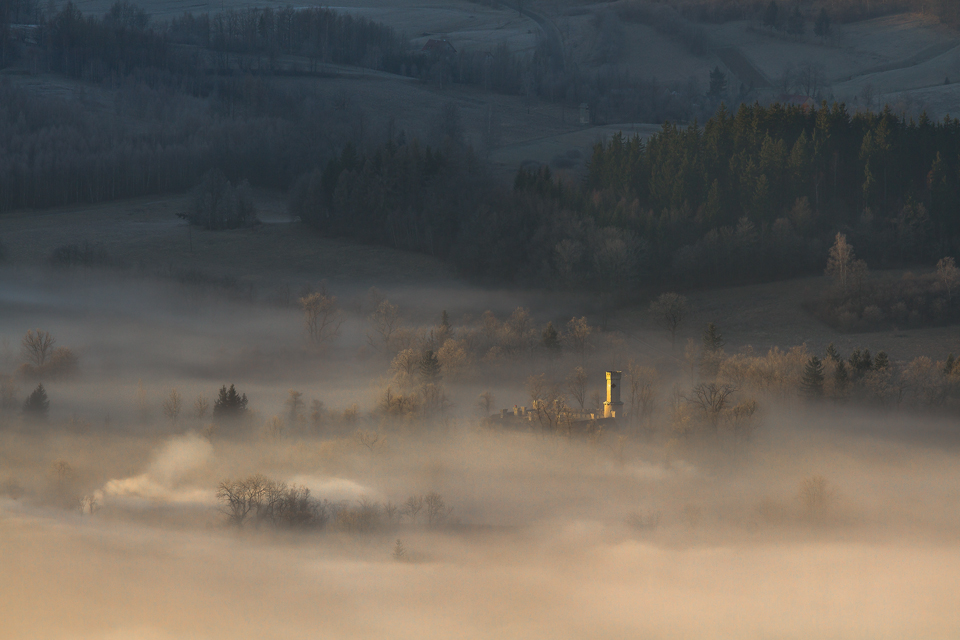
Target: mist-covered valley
<point>479,319</point>
<point>825,517</point>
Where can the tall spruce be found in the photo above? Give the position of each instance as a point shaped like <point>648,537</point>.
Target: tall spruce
<point>821,28</point>
<point>37,405</point>
<point>833,354</point>
<point>771,17</point>
<point>229,403</point>
<point>841,379</point>
<point>813,377</point>
<point>550,339</point>
<point>881,362</point>
<point>948,366</point>
<point>861,362</point>
<point>718,83</point>
<point>429,367</point>
<point>712,339</point>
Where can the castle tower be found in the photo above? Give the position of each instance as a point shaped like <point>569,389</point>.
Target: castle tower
<point>613,407</point>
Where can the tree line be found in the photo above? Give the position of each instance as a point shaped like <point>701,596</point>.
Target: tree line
<point>845,11</point>
<point>787,178</point>
<point>749,196</point>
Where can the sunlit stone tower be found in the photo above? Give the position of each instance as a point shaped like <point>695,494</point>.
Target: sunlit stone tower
<point>613,407</point>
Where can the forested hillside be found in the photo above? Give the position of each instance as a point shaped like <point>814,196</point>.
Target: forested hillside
<point>753,196</point>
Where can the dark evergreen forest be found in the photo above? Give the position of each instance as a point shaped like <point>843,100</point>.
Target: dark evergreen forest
<point>752,195</point>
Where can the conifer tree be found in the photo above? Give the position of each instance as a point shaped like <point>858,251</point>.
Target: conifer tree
<point>712,340</point>
<point>861,362</point>
<point>880,363</point>
<point>550,339</point>
<point>429,367</point>
<point>718,83</point>
<point>841,379</point>
<point>229,403</point>
<point>795,25</point>
<point>821,28</point>
<point>812,381</point>
<point>948,366</point>
<point>833,354</point>
<point>771,15</point>
<point>37,405</point>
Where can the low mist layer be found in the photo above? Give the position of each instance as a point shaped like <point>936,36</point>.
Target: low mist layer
<point>828,517</point>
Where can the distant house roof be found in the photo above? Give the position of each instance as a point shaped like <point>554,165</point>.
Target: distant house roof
<point>442,47</point>
<point>807,102</point>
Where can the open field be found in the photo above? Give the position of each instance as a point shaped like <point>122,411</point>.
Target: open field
<point>273,261</point>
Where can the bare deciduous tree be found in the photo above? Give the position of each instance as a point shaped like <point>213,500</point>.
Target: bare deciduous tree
<point>384,322</point>
<point>294,403</point>
<point>88,504</point>
<point>520,323</point>
<point>669,311</point>
<point>140,399</point>
<point>317,413</point>
<point>413,506</point>
<point>711,399</point>
<point>321,317</point>
<point>8,393</point>
<point>275,428</point>
<point>241,497</point>
<point>171,406</point>
<point>815,495</point>
<point>577,386</point>
<point>485,403</point>
<point>948,275</point>
<point>549,404</point>
<point>200,407</point>
<point>644,384</point>
<point>372,440</point>
<point>840,260</point>
<point>405,366</point>
<point>578,330</point>
<point>437,511</point>
<point>453,358</point>
<point>62,470</point>
<point>37,347</point>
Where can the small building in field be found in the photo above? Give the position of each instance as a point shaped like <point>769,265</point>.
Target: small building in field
<point>557,416</point>
<point>440,47</point>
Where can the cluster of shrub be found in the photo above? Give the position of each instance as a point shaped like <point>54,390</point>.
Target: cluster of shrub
<point>422,358</point>
<point>42,359</point>
<point>858,302</point>
<point>911,301</point>
<point>82,254</point>
<point>921,382</point>
<point>262,501</point>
